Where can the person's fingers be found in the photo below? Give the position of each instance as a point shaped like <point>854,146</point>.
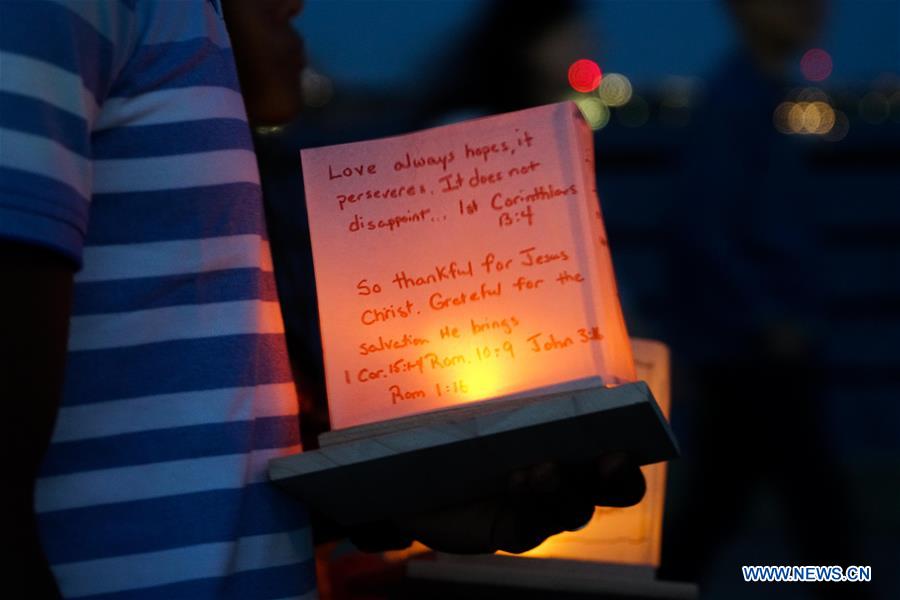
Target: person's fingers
<point>517,484</point>
<point>566,509</point>
<point>518,528</point>
<point>544,478</point>
<point>548,507</point>
<point>575,511</point>
<point>539,502</point>
<point>619,482</point>
<point>462,529</point>
<point>608,464</point>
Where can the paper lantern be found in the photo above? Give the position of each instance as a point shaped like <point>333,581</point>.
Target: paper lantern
<point>462,263</point>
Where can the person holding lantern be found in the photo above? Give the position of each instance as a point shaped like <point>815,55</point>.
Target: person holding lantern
<point>143,355</point>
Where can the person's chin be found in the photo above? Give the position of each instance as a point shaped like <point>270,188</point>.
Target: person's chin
<point>280,99</point>
<point>277,106</point>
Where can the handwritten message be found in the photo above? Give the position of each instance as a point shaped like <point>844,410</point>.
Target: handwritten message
<point>462,263</point>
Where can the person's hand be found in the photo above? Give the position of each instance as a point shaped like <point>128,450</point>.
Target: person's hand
<point>539,502</point>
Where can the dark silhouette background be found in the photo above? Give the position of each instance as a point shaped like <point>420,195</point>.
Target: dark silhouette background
<point>768,261</point>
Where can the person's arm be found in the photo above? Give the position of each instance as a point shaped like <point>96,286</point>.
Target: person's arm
<point>59,60</point>
<point>34,322</point>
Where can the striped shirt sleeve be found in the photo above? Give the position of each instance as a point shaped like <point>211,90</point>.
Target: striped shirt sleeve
<point>51,85</point>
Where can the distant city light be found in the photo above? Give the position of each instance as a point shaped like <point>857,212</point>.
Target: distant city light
<point>816,118</point>
<point>595,112</point>
<point>809,94</point>
<point>615,90</point>
<point>781,118</point>
<point>584,75</point>
<point>820,118</point>
<point>797,117</point>
<point>816,65</point>
<point>840,129</point>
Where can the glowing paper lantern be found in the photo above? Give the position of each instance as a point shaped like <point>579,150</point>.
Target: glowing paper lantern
<point>455,265</point>
<point>462,263</point>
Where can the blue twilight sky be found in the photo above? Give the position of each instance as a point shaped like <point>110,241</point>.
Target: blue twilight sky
<point>385,43</point>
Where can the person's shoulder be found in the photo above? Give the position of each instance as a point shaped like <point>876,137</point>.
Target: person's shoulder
<point>181,22</point>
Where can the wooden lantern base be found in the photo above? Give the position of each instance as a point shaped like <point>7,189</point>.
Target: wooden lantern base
<point>427,461</point>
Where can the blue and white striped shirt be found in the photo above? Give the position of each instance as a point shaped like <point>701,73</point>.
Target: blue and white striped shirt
<point>124,145</point>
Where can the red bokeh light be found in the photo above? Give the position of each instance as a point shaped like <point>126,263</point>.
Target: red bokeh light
<point>585,75</point>
<point>816,65</point>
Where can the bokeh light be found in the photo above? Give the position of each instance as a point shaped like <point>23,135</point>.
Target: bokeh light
<point>815,118</point>
<point>796,117</point>
<point>824,117</point>
<point>781,118</point>
<point>809,94</point>
<point>595,112</point>
<point>840,129</point>
<point>816,65</point>
<point>585,75</point>
<point>615,89</point>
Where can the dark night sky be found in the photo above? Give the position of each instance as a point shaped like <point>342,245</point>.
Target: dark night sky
<point>383,44</point>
